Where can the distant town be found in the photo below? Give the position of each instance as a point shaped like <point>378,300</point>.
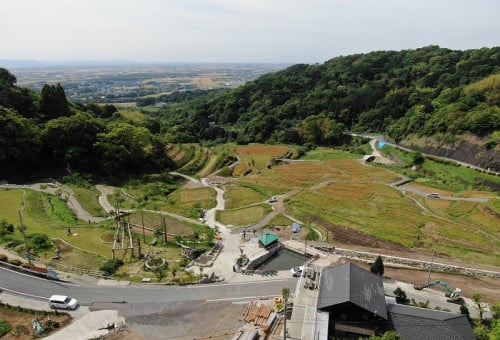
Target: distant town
<point>128,82</point>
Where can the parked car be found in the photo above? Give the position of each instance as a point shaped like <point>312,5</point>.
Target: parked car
<point>296,271</point>
<point>272,199</point>
<point>433,195</point>
<point>62,302</point>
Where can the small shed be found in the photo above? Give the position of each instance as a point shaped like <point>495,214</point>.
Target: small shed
<point>268,239</point>
<point>295,227</point>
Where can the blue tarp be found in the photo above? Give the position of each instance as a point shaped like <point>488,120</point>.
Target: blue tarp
<point>295,227</point>
<point>381,144</point>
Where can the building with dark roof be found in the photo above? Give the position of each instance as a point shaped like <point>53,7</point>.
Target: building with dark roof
<point>422,323</point>
<point>354,300</point>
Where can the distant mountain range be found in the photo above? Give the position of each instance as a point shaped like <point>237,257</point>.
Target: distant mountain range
<point>29,64</point>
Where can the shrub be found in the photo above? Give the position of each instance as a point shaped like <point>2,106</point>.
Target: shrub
<point>26,265</point>
<point>400,295</point>
<point>6,227</point>
<point>3,258</point>
<point>40,242</point>
<point>4,328</point>
<point>111,266</point>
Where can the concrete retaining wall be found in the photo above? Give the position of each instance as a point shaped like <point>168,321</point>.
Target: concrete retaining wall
<point>254,263</point>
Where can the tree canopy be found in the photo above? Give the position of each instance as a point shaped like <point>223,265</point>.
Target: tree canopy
<point>425,91</point>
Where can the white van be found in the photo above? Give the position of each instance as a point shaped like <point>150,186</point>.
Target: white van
<point>62,302</point>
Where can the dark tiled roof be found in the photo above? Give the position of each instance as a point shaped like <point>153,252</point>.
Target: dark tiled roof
<point>350,283</point>
<point>426,324</point>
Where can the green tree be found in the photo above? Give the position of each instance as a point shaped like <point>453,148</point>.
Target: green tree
<point>400,295</point>
<point>377,267</point>
<point>495,309</point>
<point>481,332</point>
<point>7,79</point>
<point>69,141</point>
<point>479,299</point>
<point>418,158</point>
<point>125,148</point>
<point>391,335</point>
<point>53,102</point>
<point>20,144</point>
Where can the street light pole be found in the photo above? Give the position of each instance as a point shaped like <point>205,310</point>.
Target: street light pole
<point>22,229</point>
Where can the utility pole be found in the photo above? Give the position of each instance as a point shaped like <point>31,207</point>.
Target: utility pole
<point>430,268</point>
<point>143,234</point>
<point>22,229</point>
<point>284,322</point>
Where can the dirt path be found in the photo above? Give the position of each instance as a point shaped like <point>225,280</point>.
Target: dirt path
<point>58,189</point>
<point>105,190</point>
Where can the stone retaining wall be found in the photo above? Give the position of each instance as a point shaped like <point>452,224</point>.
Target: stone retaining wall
<point>359,255</point>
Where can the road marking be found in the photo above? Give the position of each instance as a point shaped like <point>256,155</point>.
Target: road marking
<point>230,284</point>
<point>239,298</point>
<point>24,294</point>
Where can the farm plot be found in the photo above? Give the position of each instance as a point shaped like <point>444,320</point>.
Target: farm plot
<point>256,157</point>
<point>190,201</point>
<point>237,196</point>
<point>155,221</point>
<point>244,216</point>
<point>372,208</point>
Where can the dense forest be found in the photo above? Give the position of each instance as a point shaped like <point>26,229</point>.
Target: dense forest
<point>426,92</point>
<point>45,134</point>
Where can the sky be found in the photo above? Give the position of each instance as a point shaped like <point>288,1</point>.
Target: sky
<point>289,31</point>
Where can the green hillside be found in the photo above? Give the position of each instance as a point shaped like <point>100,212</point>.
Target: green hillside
<point>429,91</point>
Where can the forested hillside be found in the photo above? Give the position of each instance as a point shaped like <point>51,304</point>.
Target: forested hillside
<point>430,91</point>
<point>44,134</point>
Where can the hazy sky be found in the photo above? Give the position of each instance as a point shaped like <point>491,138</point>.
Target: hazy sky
<point>238,30</point>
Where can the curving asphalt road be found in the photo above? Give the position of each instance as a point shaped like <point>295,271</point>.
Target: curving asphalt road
<point>38,288</point>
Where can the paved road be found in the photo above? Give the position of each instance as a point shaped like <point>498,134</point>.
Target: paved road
<point>18,283</point>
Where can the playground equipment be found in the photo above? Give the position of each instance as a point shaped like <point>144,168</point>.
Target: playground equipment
<point>454,295</point>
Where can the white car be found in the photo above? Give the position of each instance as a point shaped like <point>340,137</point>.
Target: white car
<point>433,195</point>
<point>296,271</point>
<point>62,302</point>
